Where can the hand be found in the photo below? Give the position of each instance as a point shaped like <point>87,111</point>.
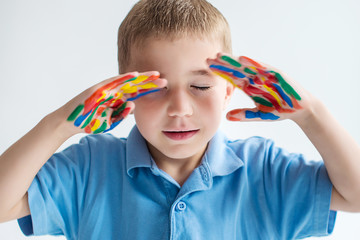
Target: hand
<point>111,102</point>
<point>275,98</point>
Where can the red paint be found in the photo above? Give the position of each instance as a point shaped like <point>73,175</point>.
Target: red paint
<point>117,103</point>
<point>230,115</point>
<point>100,111</point>
<point>265,108</point>
<point>257,80</point>
<point>295,103</point>
<point>125,112</point>
<point>251,90</point>
<point>87,129</point>
<point>92,103</point>
<point>255,64</point>
<point>232,118</point>
<point>92,123</point>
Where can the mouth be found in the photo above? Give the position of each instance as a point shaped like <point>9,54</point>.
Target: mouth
<point>180,135</point>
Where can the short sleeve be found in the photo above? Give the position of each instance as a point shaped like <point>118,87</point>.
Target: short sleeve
<point>297,192</point>
<point>56,193</point>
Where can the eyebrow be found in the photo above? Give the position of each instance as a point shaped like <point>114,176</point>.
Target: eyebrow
<point>202,72</point>
<point>198,72</point>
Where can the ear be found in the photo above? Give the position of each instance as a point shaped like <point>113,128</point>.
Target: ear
<point>228,94</point>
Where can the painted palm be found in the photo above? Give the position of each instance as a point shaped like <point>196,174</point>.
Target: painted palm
<point>107,106</point>
<point>272,94</point>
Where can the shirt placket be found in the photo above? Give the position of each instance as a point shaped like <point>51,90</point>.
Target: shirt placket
<point>198,181</point>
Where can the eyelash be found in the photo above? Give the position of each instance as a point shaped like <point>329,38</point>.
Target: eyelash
<point>201,88</point>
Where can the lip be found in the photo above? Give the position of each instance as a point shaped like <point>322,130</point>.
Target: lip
<point>180,134</point>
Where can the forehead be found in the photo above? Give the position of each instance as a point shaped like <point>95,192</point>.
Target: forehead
<point>163,55</point>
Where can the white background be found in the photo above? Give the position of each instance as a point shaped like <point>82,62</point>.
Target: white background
<point>52,50</point>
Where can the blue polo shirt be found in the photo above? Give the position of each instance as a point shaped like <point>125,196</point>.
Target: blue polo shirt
<point>110,188</point>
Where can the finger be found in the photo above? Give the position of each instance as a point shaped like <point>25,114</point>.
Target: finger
<point>226,65</point>
<point>98,121</point>
<point>133,88</point>
<point>143,88</point>
<point>250,62</point>
<point>250,114</point>
<point>120,114</point>
<point>102,92</point>
<point>227,68</point>
<point>271,77</point>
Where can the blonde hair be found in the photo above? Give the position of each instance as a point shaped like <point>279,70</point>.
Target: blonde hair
<point>170,19</point>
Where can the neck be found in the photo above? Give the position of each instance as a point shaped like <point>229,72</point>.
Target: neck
<point>178,168</point>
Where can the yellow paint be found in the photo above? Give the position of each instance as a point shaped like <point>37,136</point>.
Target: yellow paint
<point>127,88</point>
<point>117,96</point>
<point>226,77</point>
<point>140,79</point>
<point>274,94</point>
<point>253,68</point>
<point>148,85</point>
<point>102,97</point>
<point>95,124</point>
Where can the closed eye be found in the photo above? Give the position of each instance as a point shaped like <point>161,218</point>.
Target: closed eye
<point>201,88</point>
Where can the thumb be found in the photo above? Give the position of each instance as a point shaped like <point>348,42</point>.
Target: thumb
<point>250,114</point>
<point>119,114</point>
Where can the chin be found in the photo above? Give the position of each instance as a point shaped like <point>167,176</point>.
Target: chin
<point>177,154</point>
<point>183,152</point>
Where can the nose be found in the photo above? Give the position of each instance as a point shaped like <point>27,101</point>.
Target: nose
<point>179,104</point>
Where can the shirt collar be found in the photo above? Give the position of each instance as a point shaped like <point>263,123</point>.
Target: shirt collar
<point>137,153</point>
<point>220,158</point>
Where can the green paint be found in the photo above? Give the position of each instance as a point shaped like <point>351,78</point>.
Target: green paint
<point>231,61</point>
<point>247,70</point>
<point>103,114</point>
<point>75,113</point>
<point>119,110</point>
<point>262,101</point>
<point>287,88</point>
<point>88,120</point>
<point>131,79</point>
<point>101,128</point>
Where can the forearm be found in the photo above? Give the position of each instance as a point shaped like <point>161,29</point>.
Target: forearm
<point>340,152</point>
<point>21,162</point>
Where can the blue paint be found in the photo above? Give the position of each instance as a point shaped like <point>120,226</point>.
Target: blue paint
<point>283,95</point>
<point>251,81</point>
<point>80,119</point>
<point>229,70</point>
<point>262,115</point>
<point>142,94</point>
<point>113,125</point>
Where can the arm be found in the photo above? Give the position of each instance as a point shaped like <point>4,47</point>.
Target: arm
<point>340,153</point>
<point>96,110</point>
<point>277,97</point>
<point>21,162</point>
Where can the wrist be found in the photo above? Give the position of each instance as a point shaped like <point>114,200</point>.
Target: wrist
<point>56,123</point>
<point>312,115</point>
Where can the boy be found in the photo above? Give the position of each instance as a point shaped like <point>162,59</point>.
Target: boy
<point>176,176</point>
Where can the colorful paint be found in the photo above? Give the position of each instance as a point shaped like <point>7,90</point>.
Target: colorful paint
<point>271,93</point>
<point>106,107</point>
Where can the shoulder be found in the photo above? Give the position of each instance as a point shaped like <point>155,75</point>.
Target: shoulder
<point>264,153</point>
<point>102,141</point>
<point>251,147</point>
<point>90,149</point>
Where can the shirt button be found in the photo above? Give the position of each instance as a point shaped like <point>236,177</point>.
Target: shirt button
<point>181,206</point>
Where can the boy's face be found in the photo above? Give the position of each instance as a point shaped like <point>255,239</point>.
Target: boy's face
<point>179,120</point>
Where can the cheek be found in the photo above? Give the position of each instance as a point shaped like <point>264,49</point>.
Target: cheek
<point>147,111</point>
<point>212,106</point>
